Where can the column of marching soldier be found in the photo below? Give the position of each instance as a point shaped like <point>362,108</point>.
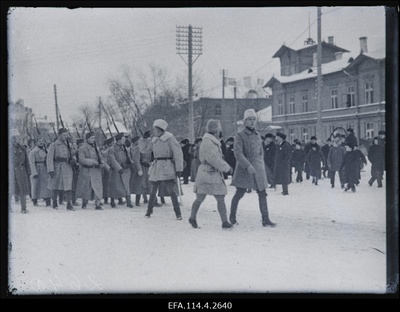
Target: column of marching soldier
<point>155,162</point>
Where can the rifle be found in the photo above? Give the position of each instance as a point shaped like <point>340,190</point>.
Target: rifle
<point>128,158</point>
<point>68,144</point>
<point>77,132</point>
<point>55,133</point>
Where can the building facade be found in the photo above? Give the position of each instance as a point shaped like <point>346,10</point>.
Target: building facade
<point>353,92</point>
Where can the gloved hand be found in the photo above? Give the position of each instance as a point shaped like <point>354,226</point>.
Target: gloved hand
<point>179,174</point>
<point>251,169</point>
<point>147,134</point>
<point>51,174</point>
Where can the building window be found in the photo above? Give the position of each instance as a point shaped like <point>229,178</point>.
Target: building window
<point>280,105</point>
<point>351,100</point>
<point>369,130</point>
<point>218,110</point>
<point>304,102</point>
<point>292,136</point>
<point>305,134</point>
<point>291,104</point>
<point>334,98</point>
<point>369,93</point>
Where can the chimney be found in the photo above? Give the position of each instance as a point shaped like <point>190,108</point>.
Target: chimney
<point>363,45</point>
<point>330,40</point>
<point>338,55</point>
<point>314,61</point>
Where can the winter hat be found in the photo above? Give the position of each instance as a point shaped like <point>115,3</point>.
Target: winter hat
<point>213,125</point>
<point>62,130</point>
<point>89,134</point>
<point>350,130</point>
<point>249,113</point>
<point>14,132</point>
<point>269,135</point>
<point>119,136</point>
<point>314,138</point>
<point>281,135</point>
<point>349,144</point>
<point>185,141</point>
<point>381,132</point>
<point>198,140</point>
<point>160,123</point>
<point>79,141</point>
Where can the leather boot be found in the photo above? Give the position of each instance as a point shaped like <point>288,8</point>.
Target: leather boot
<point>129,202</point>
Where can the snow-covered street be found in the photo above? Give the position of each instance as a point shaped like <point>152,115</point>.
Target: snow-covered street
<point>325,240</point>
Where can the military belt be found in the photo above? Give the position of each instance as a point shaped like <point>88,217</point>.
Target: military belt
<point>60,159</point>
<point>163,158</point>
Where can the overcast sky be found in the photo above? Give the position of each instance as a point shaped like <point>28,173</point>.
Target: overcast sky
<point>81,49</point>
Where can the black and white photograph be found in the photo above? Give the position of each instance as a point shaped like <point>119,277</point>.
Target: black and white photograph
<point>201,150</point>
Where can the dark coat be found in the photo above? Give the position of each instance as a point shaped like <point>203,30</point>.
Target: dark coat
<point>298,159</point>
<point>269,154</point>
<point>314,159</point>
<point>119,180</point>
<point>249,152</point>
<point>350,167</point>
<point>335,157</point>
<point>282,163</point>
<point>63,173</point>
<point>187,159</point>
<point>376,157</point>
<point>230,156</point>
<point>89,178</point>
<point>21,170</point>
<point>39,177</point>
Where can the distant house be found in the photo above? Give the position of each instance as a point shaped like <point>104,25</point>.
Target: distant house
<point>353,92</point>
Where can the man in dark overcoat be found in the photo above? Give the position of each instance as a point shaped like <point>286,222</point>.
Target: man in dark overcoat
<point>282,162</point>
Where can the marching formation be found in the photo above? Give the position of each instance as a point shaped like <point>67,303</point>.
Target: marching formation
<point>151,167</point>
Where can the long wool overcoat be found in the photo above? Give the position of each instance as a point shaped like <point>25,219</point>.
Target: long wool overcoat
<point>89,178</point>
<point>167,148</point>
<point>21,170</point>
<point>119,182</point>
<point>39,175</point>
<point>210,178</point>
<point>282,163</point>
<point>248,152</point>
<point>63,173</point>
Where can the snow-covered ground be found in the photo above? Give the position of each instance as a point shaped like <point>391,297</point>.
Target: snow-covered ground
<point>325,241</point>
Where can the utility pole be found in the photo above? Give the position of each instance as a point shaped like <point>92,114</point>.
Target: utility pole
<point>99,111</point>
<point>189,40</point>
<point>235,108</point>
<point>57,112</point>
<point>319,129</point>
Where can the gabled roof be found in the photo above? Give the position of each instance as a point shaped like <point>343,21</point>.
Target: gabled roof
<point>285,48</point>
<point>326,68</point>
<point>374,55</point>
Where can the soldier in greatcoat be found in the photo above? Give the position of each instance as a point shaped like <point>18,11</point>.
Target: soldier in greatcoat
<point>60,161</point>
<point>39,175</point>
<point>120,171</point>
<point>166,166</point>
<point>20,169</point>
<point>250,170</point>
<point>105,175</point>
<point>282,162</point>
<point>89,178</point>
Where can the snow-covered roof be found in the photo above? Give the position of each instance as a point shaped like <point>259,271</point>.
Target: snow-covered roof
<point>326,68</point>
<point>265,115</point>
<point>299,45</point>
